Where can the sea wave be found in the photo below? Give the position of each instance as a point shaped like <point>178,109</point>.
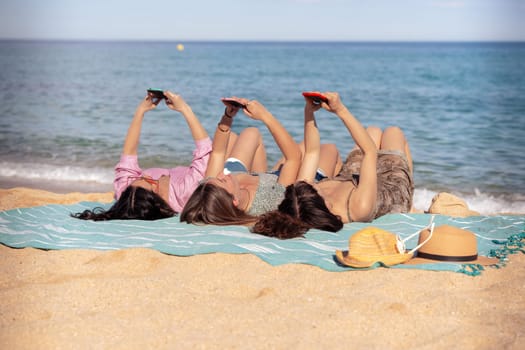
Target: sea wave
<point>484,203</point>
<point>51,173</point>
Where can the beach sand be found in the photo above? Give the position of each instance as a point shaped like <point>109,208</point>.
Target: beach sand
<point>140,298</point>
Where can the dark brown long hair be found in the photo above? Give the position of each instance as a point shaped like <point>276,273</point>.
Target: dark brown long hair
<point>301,209</point>
<point>211,204</point>
<point>134,203</point>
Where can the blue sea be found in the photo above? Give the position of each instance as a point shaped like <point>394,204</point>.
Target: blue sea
<point>65,106</point>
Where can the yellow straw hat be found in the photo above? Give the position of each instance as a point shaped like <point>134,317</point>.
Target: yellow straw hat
<point>371,245</point>
<point>448,204</point>
<point>449,244</point>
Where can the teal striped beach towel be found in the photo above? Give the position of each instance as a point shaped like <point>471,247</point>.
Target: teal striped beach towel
<point>51,227</point>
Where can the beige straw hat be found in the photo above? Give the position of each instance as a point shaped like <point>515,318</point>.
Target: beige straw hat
<point>448,204</point>
<point>449,244</point>
<point>371,245</point>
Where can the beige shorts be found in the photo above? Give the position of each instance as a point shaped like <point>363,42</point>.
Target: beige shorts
<point>395,185</point>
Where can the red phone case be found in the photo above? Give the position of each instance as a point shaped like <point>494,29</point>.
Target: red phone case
<point>317,97</point>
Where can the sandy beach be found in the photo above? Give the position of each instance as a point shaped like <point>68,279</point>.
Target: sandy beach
<point>141,298</point>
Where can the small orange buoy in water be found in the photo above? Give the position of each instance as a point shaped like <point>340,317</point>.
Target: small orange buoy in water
<point>180,47</point>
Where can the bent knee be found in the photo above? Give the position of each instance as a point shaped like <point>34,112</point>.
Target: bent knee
<point>393,128</point>
<point>330,147</point>
<point>251,133</point>
<point>393,139</point>
<point>394,132</point>
<point>251,130</point>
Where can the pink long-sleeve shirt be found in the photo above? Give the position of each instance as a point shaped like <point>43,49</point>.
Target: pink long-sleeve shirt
<point>183,179</point>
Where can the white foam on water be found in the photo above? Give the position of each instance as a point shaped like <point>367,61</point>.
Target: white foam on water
<point>485,204</point>
<point>50,172</point>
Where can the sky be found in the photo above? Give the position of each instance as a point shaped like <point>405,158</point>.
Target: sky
<point>262,20</point>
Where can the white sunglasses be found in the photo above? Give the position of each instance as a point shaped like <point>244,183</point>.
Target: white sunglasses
<point>400,244</point>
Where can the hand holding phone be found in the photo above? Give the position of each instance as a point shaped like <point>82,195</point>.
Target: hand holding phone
<point>156,93</point>
<point>233,102</point>
<point>316,97</point>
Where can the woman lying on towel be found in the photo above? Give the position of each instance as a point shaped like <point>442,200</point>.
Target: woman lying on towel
<point>235,192</point>
<point>155,193</point>
<point>376,179</point>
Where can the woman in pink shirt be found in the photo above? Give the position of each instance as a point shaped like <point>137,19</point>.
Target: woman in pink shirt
<point>155,193</point>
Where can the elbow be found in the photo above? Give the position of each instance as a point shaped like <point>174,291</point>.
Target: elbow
<point>370,150</point>
<point>362,212</point>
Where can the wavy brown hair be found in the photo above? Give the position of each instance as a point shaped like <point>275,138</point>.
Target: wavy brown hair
<point>211,204</point>
<point>301,209</point>
<point>134,203</point>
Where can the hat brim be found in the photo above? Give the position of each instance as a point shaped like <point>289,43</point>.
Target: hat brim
<point>463,213</point>
<point>481,260</point>
<point>369,260</point>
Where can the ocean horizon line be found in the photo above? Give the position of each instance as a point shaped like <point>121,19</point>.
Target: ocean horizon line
<point>261,41</point>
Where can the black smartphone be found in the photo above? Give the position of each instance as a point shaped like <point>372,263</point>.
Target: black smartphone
<point>232,101</point>
<point>157,93</point>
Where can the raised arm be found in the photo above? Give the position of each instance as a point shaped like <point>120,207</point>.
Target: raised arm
<point>312,143</point>
<point>177,103</point>
<point>131,143</point>
<point>285,142</point>
<point>220,141</point>
<point>364,198</point>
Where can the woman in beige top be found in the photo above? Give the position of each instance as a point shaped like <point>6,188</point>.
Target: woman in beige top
<point>376,179</point>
